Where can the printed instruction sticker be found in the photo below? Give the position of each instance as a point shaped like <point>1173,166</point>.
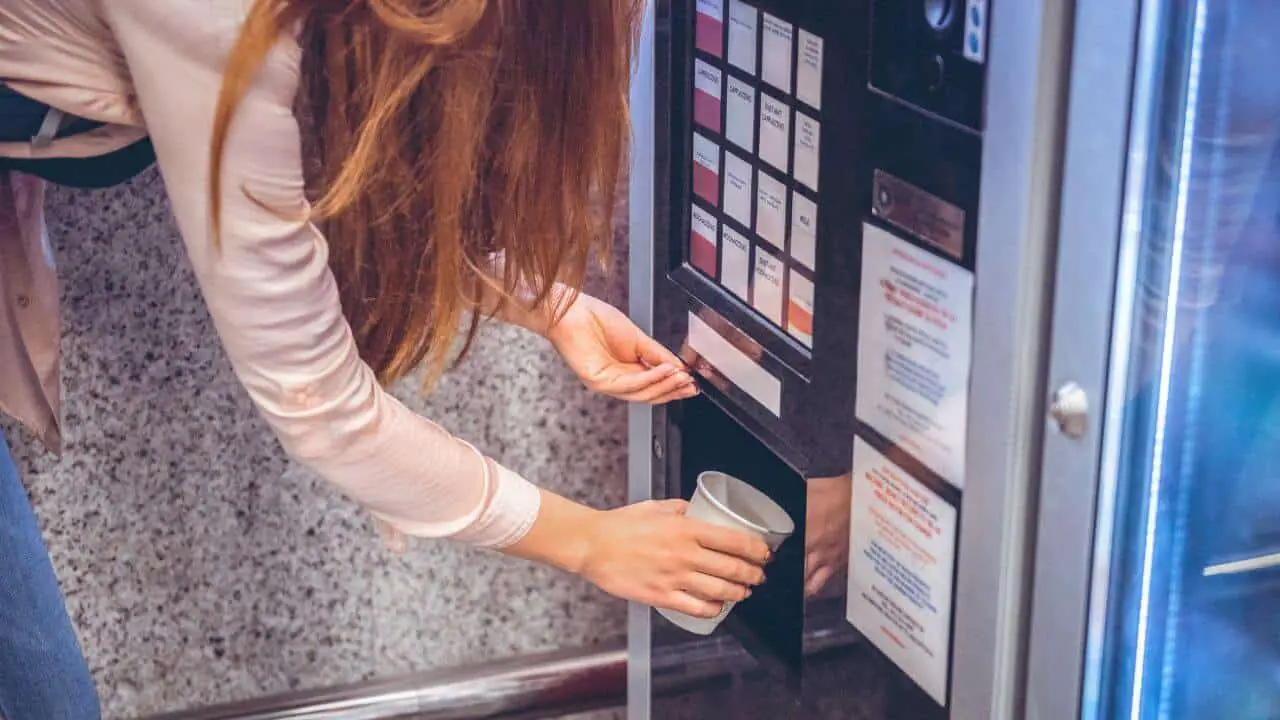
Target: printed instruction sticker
<point>743,20</point>
<point>702,241</point>
<point>707,93</point>
<point>767,288</point>
<point>915,334</point>
<point>809,70</point>
<point>804,230</point>
<point>709,27</point>
<point>902,550</point>
<point>706,169</point>
<point>735,262</point>
<point>807,131</point>
<point>800,308</point>
<point>737,188</point>
<point>740,111</point>
<point>775,131</point>
<point>771,211</point>
<point>776,49</point>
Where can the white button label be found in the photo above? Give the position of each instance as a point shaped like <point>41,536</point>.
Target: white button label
<point>807,131</point>
<point>741,111</point>
<point>767,288</point>
<point>771,211</point>
<point>735,262</point>
<point>737,188</point>
<point>809,71</point>
<point>706,169</point>
<point>800,308</point>
<point>778,35</point>
<point>702,241</point>
<point>804,230</point>
<point>743,20</point>
<point>707,83</point>
<point>775,131</point>
<point>709,27</point>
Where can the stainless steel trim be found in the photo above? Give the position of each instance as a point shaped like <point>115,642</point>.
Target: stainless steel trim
<point>1017,225</point>
<point>640,300</point>
<point>541,686</point>
<point>1143,119</point>
<point>525,687</point>
<point>1094,165</point>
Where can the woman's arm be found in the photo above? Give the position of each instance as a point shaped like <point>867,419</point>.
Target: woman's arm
<point>272,297</point>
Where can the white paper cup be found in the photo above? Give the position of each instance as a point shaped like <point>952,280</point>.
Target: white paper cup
<point>729,502</point>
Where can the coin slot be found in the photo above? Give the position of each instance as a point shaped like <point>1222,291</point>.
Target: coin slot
<point>940,13</point>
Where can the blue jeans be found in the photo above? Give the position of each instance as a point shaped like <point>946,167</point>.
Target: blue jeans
<point>43,675</point>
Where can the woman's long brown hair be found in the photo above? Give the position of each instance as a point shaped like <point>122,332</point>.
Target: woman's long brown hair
<point>442,132</point>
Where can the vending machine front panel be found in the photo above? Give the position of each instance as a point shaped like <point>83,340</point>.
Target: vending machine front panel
<point>818,184</point>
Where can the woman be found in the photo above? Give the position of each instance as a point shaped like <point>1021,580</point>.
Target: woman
<point>460,157</point>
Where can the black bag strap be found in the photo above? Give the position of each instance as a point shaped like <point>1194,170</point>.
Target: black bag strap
<point>25,120</point>
<point>91,173</point>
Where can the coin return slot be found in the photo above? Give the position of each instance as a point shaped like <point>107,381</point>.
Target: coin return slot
<point>939,13</point>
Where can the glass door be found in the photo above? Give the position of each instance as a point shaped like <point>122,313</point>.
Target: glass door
<point>1174,555</point>
<point>1192,623</point>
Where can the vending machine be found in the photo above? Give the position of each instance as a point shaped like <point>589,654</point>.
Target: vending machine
<point>841,220</point>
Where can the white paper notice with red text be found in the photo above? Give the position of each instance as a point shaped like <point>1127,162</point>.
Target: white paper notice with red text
<point>915,336</point>
<point>902,550</point>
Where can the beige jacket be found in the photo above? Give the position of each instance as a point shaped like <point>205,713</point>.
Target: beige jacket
<point>153,67</point>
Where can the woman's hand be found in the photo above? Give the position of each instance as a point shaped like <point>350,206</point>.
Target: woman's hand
<point>648,553</point>
<point>613,357</point>
<point>652,554</point>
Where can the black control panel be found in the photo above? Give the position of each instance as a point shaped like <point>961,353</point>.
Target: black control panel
<point>767,131</point>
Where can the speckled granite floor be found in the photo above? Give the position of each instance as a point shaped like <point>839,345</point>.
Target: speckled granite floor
<point>200,566</point>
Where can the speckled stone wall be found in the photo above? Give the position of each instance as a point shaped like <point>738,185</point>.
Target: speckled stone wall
<point>201,566</point>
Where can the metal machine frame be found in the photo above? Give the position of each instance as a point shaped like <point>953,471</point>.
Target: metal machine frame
<point>1117,40</point>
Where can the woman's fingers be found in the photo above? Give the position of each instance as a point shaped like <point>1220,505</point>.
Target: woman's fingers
<point>675,384</point>
<point>689,605</point>
<point>652,352</point>
<point>682,393</point>
<point>733,542</point>
<point>728,567</point>
<point>714,589</point>
<point>624,383</point>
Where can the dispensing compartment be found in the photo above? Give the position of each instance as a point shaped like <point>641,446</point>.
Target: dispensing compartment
<point>703,437</point>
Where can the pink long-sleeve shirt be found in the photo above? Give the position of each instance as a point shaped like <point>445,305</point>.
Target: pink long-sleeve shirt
<point>154,67</point>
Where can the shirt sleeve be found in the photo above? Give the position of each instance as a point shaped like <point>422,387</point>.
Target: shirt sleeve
<point>272,296</point>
